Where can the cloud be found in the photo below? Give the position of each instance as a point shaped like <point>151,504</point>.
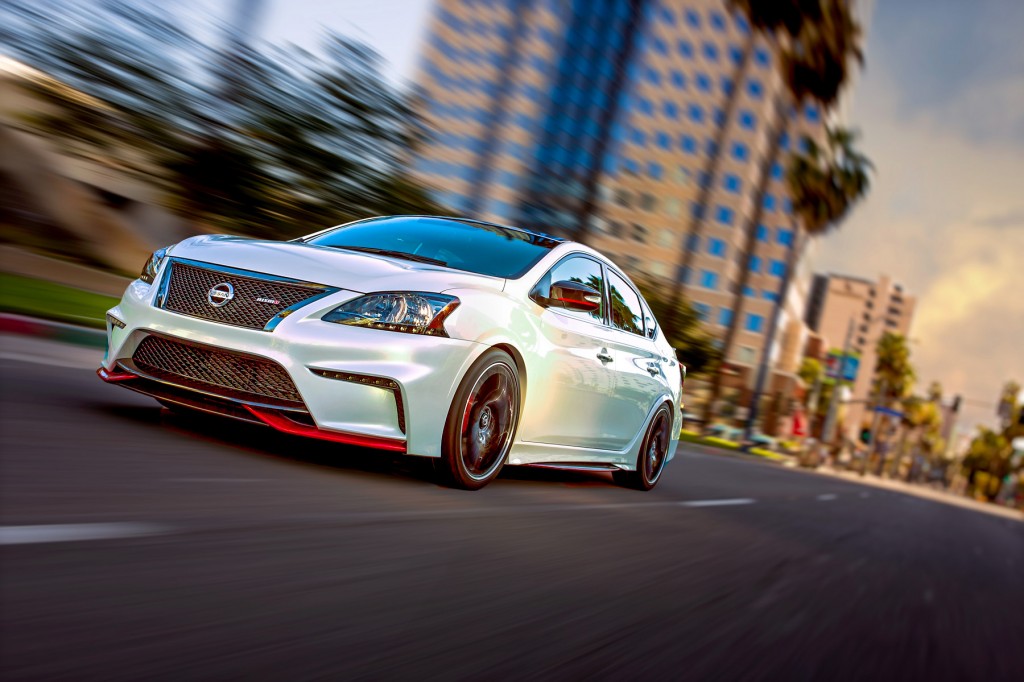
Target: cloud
<point>940,219</point>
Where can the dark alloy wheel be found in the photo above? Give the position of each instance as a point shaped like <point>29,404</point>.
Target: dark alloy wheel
<point>653,453</point>
<point>481,422</point>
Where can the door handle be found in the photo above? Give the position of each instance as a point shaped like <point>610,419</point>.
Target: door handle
<point>603,356</point>
<point>653,368</point>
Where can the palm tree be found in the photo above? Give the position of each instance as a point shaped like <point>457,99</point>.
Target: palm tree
<point>765,18</point>
<point>824,184</point>
<point>817,46</point>
<point>894,375</point>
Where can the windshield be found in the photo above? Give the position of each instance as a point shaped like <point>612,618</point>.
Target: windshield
<point>475,247</point>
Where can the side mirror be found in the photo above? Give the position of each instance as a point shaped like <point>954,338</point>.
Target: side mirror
<point>574,296</point>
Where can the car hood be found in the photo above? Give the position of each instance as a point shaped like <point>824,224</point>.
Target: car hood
<point>349,270</point>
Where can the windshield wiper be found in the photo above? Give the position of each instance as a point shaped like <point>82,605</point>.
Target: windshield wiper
<point>392,254</point>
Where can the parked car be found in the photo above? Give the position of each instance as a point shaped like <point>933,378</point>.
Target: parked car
<point>476,344</point>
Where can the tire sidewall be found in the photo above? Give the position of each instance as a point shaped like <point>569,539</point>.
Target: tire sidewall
<point>451,455</point>
<point>641,470</point>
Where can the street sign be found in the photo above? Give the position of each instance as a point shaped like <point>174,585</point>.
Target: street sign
<point>834,360</point>
<point>889,411</point>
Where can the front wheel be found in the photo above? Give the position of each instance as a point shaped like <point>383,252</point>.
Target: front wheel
<point>481,422</point>
<point>653,453</point>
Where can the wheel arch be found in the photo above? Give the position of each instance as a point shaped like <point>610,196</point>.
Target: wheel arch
<point>517,357</point>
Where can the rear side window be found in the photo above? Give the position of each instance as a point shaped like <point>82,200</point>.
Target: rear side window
<point>627,313</point>
<point>574,287</point>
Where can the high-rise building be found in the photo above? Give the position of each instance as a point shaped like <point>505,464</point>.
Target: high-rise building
<point>596,118</point>
<point>841,305</point>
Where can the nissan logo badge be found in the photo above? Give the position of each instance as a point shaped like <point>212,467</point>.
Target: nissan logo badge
<point>220,294</point>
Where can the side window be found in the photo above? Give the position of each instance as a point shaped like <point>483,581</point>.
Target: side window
<point>627,314</point>
<point>574,287</point>
<point>650,326</point>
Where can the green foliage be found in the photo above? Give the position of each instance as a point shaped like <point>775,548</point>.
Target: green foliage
<point>826,181</point>
<point>682,326</point>
<point>810,372</point>
<point>893,365</point>
<point>47,300</point>
<point>264,141</point>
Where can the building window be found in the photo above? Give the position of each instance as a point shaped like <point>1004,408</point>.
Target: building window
<point>692,18</point>
<point>811,112</point>
<point>754,323</point>
<point>769,295</point>
<point>693,242</point>
<point>716,247</point>
<point>696,113</point>
<point>740,151</point>
<point>703,311</point>
<point>647,201</point>
<point>652,76</point>
<point>747,120</point>
<point>784,237</point>
<point>746,355</point>
<point>755,264</point>
<point>640,232</point>
<point>732,183</point>
<point>663,140</point>
<point>665,238</point>
<point>762,233</point>
<point>776,171</point>
<point>761,56</point>
<point>749,292</point>
<point>724,215</point>
<point>777,268</point>
<point>710,52</point>
<point>725,316</point>
<point>689,144</point>
<point>645,106</point>
<point>622,198</point>
<point>703,82</point>
<point>755,89</point>
<point>709,279</point>
<point>654,170</point>
<point>685,49</point>
<point>718,21</point>
<point>671,110</point>
<point>678,80</point>
<point>660,46</point>
<point>638,137</point>
<point>769,202</point>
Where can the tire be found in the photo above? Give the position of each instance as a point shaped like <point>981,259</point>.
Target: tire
<point>481,424</point>
<point>650,461</point>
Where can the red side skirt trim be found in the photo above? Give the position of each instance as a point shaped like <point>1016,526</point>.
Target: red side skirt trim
<point>285,425</point>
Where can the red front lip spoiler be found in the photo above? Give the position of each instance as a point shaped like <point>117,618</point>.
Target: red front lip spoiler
<point>274,420</point>
<point>112,377</point>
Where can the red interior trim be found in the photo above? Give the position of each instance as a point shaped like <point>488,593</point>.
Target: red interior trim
<point>114,376</point>
<point>274,420</point>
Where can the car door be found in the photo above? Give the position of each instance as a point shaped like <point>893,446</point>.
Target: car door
<point>638,366</point>
<point>571,399</point>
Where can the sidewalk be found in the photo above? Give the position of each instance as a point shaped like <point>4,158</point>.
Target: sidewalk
<point>920,491</point>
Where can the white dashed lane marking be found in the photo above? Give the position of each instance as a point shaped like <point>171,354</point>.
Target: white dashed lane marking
<point>827,497</point>
<point>718,503</point>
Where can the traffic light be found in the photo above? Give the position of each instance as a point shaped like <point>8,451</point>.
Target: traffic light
<point>956,404</point>
<point>865,435</point>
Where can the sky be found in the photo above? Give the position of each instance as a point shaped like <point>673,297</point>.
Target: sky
<point>940,106</point>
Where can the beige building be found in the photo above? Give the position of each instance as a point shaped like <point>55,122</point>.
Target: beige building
<point>539,108</point>
<point>840,304</point>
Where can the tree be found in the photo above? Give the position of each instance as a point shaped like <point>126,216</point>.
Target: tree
<point>818,40</point>
<point>824,184</point>
<point>989,454</point>
<point>893,369</point>
<point>305,141</point>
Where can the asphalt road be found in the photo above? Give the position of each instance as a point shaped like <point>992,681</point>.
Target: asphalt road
<point>140,545</point>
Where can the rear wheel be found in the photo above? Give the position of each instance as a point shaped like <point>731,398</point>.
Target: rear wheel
<point>653,453</point>
<point>481,423</point>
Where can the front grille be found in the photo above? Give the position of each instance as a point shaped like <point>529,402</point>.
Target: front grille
<point>257,300</point>
<point>226,373</point>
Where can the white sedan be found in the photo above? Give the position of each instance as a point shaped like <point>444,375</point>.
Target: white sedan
<point>476,344</point>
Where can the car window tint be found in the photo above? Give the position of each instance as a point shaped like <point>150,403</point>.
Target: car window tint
<point>464,245</point>
<point>582,271</point>
<point>627,314</point>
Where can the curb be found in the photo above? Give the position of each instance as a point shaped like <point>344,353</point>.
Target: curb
<point>55,331</point>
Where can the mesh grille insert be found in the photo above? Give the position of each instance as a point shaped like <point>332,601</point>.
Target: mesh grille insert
<point>217,371</point>
<point>255,303</point>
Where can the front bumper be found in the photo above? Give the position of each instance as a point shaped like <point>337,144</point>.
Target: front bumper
<point>328,364</point>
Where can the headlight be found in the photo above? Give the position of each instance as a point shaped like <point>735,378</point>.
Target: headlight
<point>152,265</point>
<point>412,312</point>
